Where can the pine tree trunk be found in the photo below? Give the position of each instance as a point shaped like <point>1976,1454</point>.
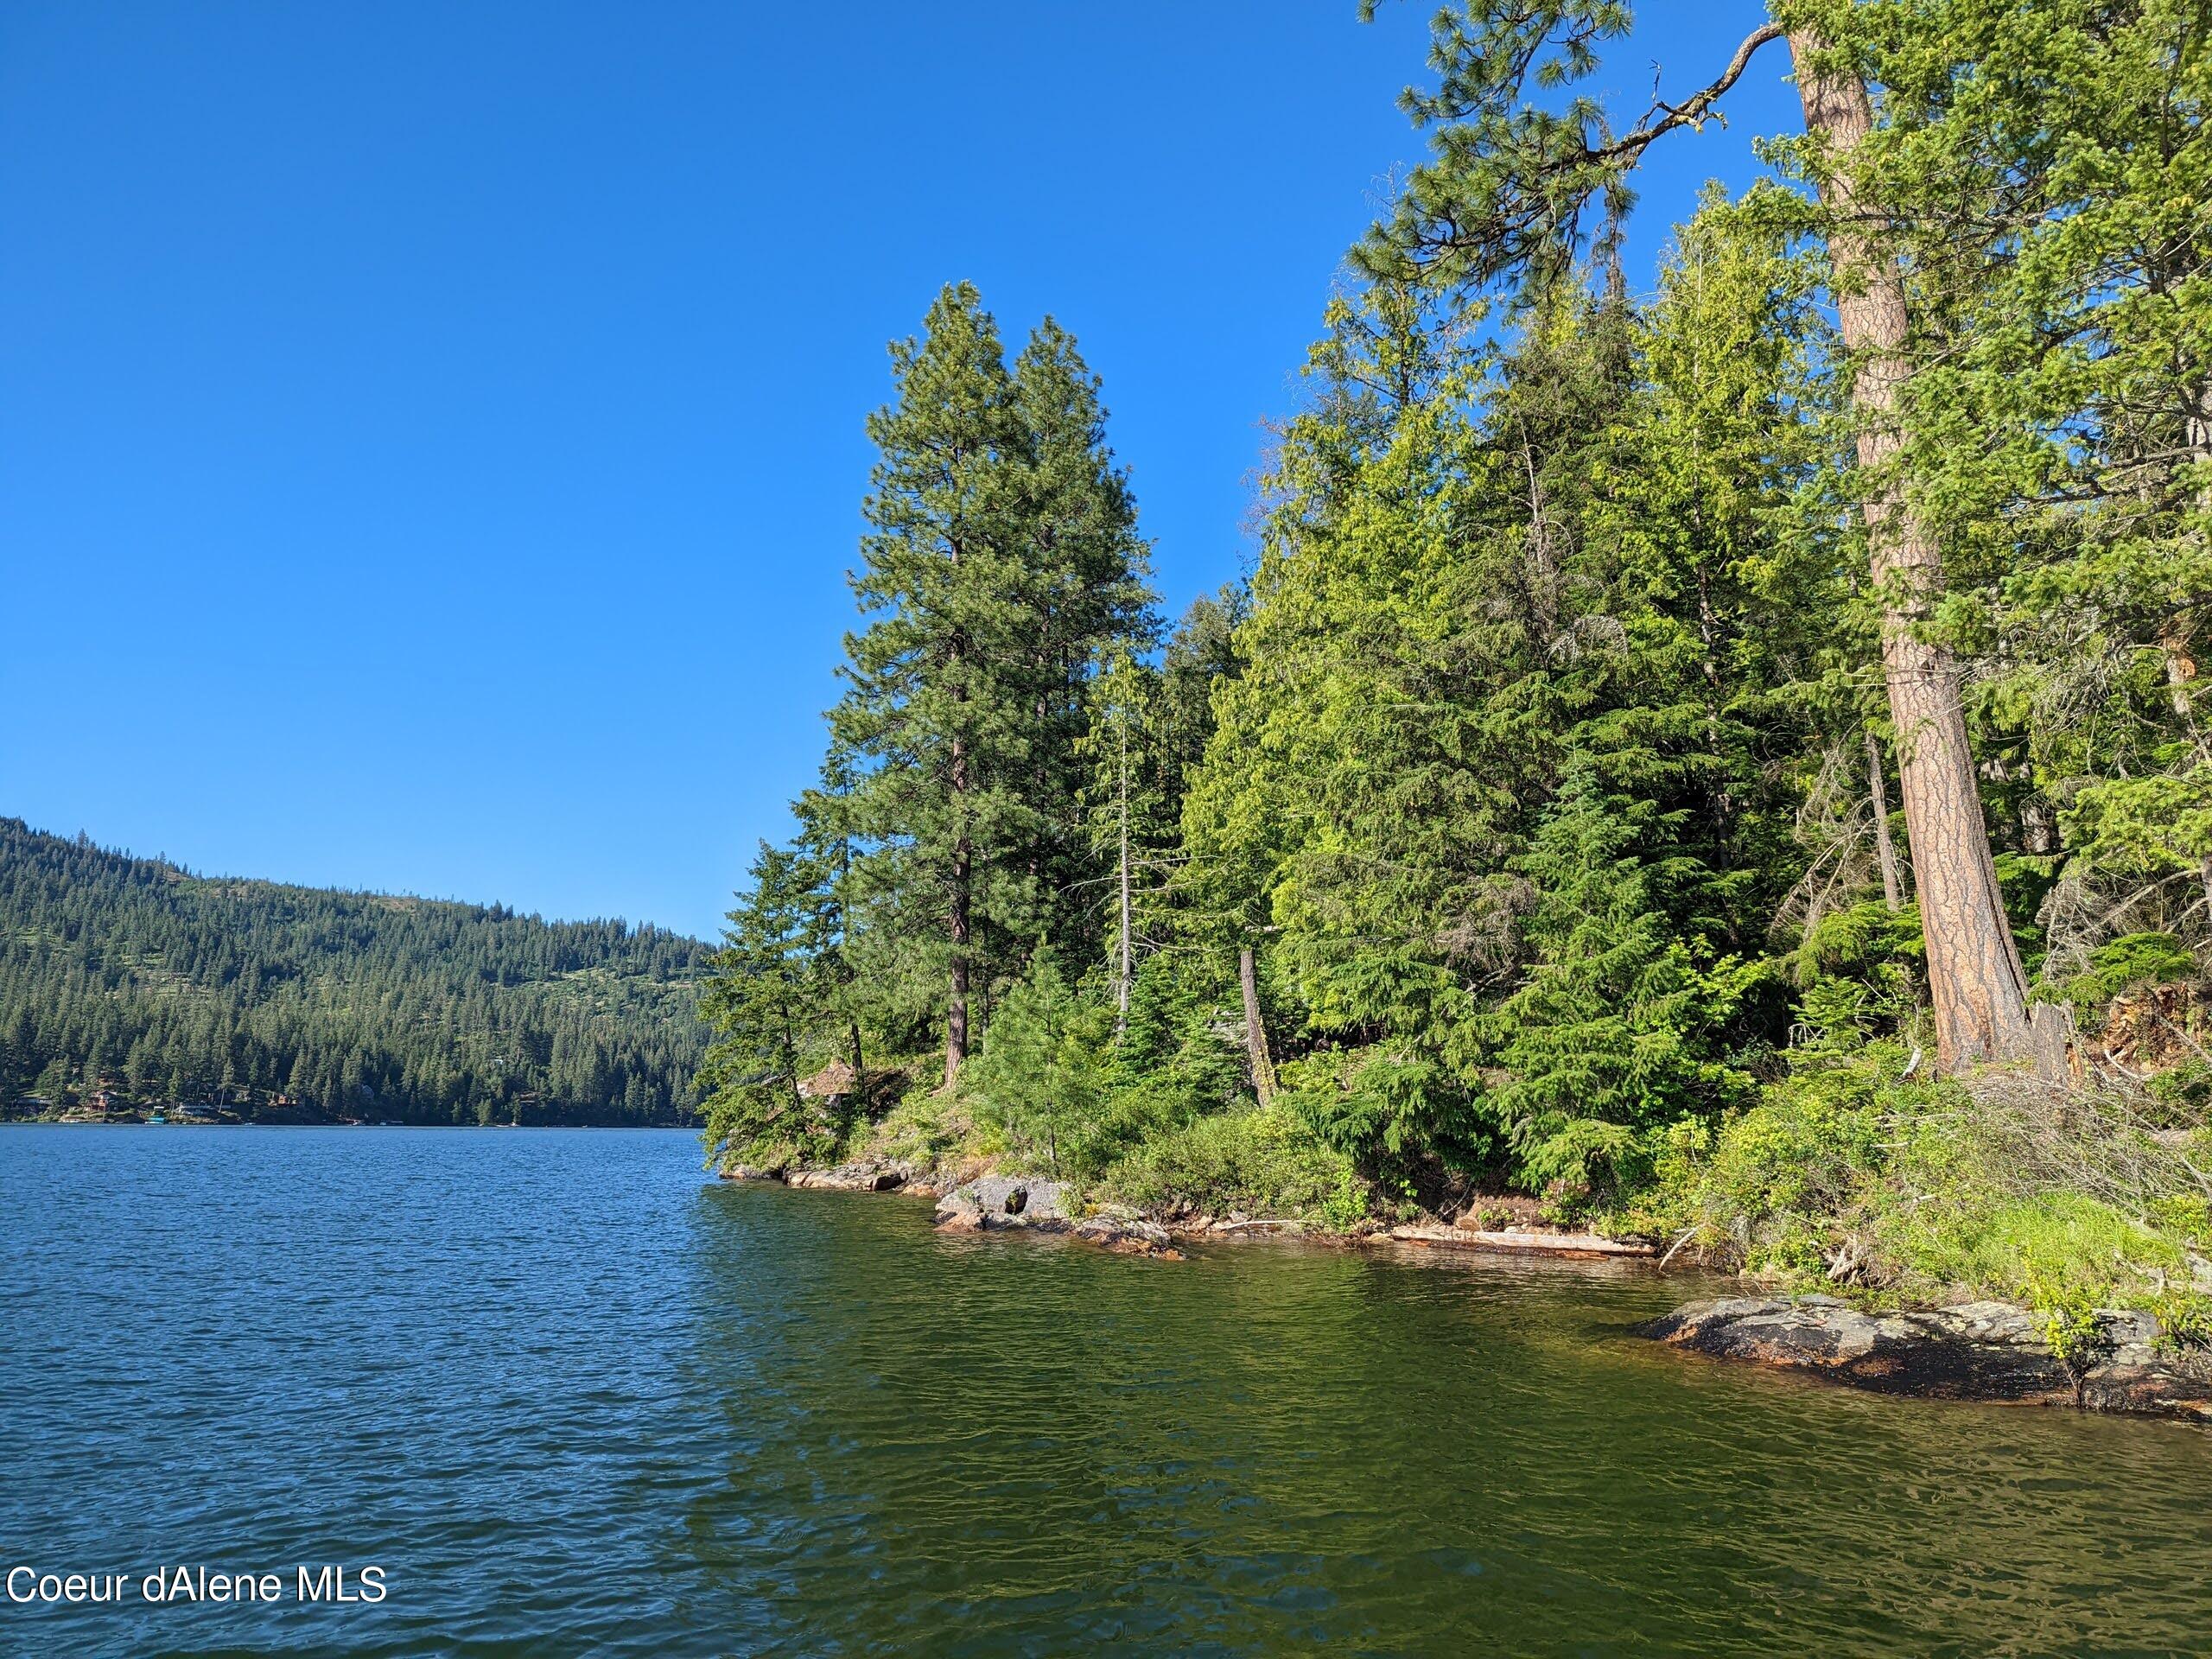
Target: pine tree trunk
<point>963,860</point>
<point>1255,1032</point>
<point>1122,973</point>
<point>1884,849</point>
<point>1974,978</point>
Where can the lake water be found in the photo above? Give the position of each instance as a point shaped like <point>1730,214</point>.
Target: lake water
<point>573,1399</point>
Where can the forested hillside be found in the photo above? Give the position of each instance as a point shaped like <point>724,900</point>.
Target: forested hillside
<point>132,978</point>
<point>1726,756</point>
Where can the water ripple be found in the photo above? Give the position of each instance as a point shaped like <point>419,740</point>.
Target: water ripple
<point>575,1399</point>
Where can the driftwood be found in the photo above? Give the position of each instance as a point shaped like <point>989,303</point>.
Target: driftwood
<point>1524,1243</point>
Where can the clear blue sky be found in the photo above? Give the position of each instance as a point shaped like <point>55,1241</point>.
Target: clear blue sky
<point>431,435</point>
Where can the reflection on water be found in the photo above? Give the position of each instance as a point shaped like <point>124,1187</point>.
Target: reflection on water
<point>573,1399</point>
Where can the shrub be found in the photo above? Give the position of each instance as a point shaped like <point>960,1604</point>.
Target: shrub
<point>1262,1162</point>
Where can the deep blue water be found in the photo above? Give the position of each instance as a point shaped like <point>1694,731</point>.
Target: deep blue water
<point>571,1398</point>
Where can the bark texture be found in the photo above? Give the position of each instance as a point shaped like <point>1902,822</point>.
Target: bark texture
<point>1975,982</point>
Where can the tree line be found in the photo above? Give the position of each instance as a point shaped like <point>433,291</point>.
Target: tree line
<point>1640,700</point>
<point>133,976</point>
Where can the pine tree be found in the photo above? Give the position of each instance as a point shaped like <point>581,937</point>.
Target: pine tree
<point>1087,597</point>
<point>935,726</point>
<point>1002,560</point>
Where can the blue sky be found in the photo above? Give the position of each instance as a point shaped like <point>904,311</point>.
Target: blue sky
<point>431,435</point>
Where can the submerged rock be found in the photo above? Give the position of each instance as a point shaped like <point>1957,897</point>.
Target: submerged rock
<point>1127,1236</point>
<point>1978,1350</point>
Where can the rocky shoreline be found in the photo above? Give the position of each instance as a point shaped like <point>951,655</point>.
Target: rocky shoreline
<point>989,1204</point>
<point>1987,1351</point>
<point>1976,1351</point>
<point>993,1203</point>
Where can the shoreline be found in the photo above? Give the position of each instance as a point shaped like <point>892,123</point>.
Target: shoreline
<point>991,1203</point>
<point>1977,1352</point>
<point>330,1123</point>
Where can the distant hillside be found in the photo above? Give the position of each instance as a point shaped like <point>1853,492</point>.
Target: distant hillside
<point>132,981</point>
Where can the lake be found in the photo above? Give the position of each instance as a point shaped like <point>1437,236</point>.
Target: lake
<point>571,1397</point>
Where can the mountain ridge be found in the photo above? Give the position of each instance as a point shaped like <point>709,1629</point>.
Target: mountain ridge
<point>127,981</point>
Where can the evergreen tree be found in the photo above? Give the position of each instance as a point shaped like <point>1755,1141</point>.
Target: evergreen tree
<point>1087,602</point>
<point>1516,187</point>
<point>935,726</point>
<point>139,975</point>
<point>1002,560</point>
<point>1606,1036</point>
<point>763,1001</point>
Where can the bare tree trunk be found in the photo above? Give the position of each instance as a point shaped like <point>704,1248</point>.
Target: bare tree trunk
<point>1255,1032</point>
<point>1885,848</point>
<point>1975,977</point>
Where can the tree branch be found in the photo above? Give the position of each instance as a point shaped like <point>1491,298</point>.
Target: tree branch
<point>1664,117</point>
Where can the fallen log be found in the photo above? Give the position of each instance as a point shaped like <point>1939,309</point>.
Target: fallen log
<point>1523,1243</point>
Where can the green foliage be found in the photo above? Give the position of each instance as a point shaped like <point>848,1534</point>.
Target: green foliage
<point>2184,1322</point>
<point>2125,964</point>
<point>2079,1336</point>
<point>1001,560</point>
<point>1261,1163</point>
<point>1047,1076</point>
<point>1532,771</point>
<point>1788,1181</point>
<point>2043,1249</point>
<point>1610,1035</point>
<point>763,998</point>
<point>139,976</point>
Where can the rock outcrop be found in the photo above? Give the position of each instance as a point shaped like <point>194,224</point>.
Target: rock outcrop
<point>995,1202</point>
<point>851,1177</point>
<point>1979,1351</point>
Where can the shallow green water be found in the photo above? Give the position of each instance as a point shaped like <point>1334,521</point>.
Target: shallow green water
<point>573,1399</point>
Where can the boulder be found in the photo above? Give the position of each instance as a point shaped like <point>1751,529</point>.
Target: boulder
<point>1004,1201</point>
<point>750,1172</point>
<point>958,1214</point>
<point>851,1177</point>
<point>1977,1350</point>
